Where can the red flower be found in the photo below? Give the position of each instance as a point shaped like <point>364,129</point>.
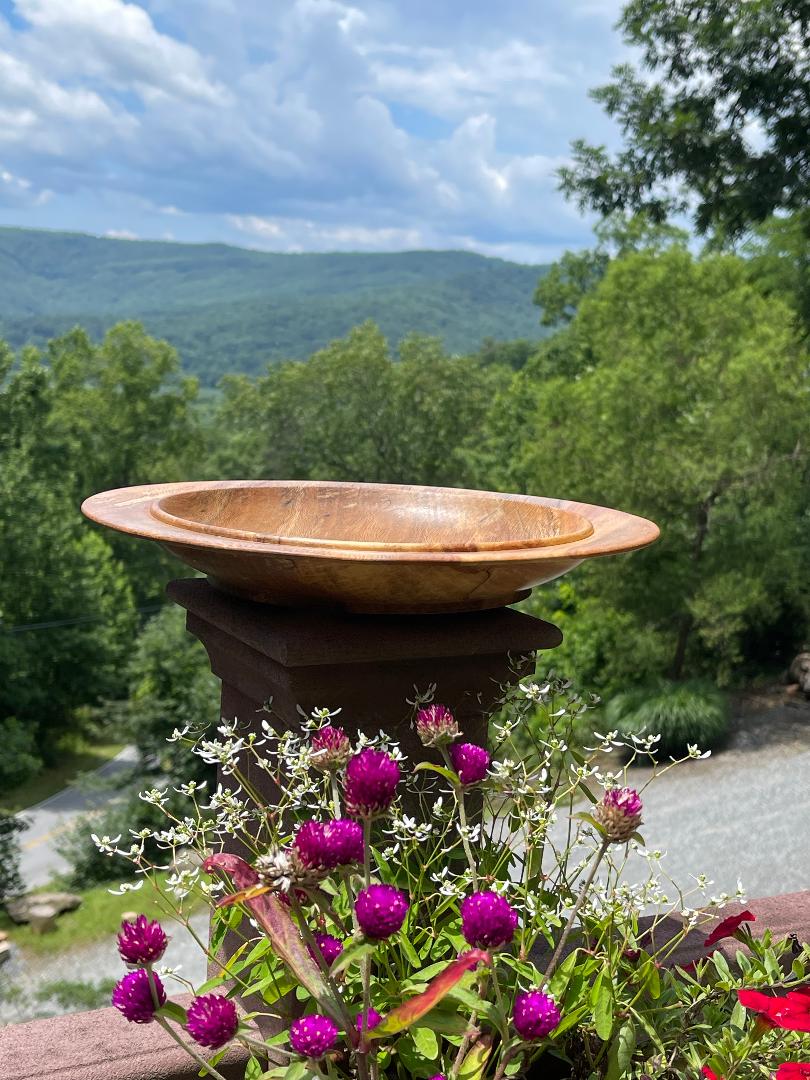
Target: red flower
<point>793,1070</point>
<point>728,927</point>
<point>791,1012</point>
<point>707,1072</point>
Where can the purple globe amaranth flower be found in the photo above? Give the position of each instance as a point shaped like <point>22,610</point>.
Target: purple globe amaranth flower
<point>324,845</point>
<point>132,996</point>
<point>535,1015</point>
<point>141,941</point>
<point>329,947</point>
<point>619,814</point>
<point>488,920</point>
<point>371,783</point>
<point>331,749</point>
<point>470,762</point>
<point>372,1019</point>
<point>313,1036</point>
<point>436,725</point>
<point>381,910</point>
<point>212,1020</point>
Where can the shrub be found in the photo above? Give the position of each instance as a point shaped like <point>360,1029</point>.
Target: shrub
<point>19,760</point>
<point>682,713</point>
<point>11,883</point>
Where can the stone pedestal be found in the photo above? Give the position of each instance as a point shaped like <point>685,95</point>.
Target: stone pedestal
<point>366,665</point>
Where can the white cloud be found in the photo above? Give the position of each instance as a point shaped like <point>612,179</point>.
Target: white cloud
<point>304,123</point>
<point>118,43</point>
<point>121,234</point>
<point>19,191</point>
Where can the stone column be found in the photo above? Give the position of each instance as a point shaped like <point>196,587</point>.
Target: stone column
<point>366,665</point>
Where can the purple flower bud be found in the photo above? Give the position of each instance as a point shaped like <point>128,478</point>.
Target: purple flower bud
<point>371,783</point>
<point>619,814</point>
<point>329,947</point>
<point>372,1019</point>
<point>470,762</point>
<point>488,920</point>
<point>438,1076</point>
<point>132,996</point>
<point>536,1015</point>
<point>212,1020</point>
<point>436,726</point>
<point>313,1036</point>
<point>141,941</point>
<point>324,845</point>
<point>381,911</point>
<point>331,749</point>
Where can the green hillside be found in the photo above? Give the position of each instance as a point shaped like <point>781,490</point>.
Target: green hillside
<point>230,309</point>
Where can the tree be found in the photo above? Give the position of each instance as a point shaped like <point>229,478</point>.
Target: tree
<point>693,411</point>
<point>719,129</point>
<point>352,412</point>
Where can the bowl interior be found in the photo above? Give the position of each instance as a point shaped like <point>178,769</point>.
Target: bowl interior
<point>372,517</point>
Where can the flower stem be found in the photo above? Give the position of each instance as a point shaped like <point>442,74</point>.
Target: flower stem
<point>575,910</point>
<point>190,1050</point>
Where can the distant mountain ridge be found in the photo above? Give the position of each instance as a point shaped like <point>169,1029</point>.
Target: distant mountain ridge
<point>230,309</point>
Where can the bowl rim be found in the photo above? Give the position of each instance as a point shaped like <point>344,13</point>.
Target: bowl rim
<point>129,510</point>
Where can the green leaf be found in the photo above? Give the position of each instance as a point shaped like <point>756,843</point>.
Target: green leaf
<point>445,1022</point>
<point>440,769</point>
<point>296,1071</point>
<point>253,1069</point>
<point>602,1003</point>
<point>474,1064</point>
<point>721,966</point>
<point>172,1011</point>
<point>352,954</point>
<point>583,816</point>
<point>621,1052</point>
<point>426,1042</point>
<point>409,950</point>
<point>407,1014</point>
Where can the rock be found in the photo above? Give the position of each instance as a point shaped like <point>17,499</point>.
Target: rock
<point>3,936</point>
<point>129,916</point>
<point>20,908</point>
<point>5,951</point>
<point>41,918</point>
<point>800,672</point>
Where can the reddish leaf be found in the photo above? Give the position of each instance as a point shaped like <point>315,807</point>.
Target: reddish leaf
<point>412,1010</point>
<point>274,919</point>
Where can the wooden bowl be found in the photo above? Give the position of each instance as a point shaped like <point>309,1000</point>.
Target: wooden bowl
<point>369,547</point>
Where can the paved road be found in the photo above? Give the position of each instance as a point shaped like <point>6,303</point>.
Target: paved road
<point>741,814</point>
<point>48,819</point>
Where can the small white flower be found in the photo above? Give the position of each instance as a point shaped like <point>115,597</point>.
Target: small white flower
<point>125,887</point>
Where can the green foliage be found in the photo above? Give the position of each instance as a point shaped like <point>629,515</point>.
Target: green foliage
<point>19,760</point>
<point>603,647</point>
<point>83,417</point>
<point>712,70</point>
<point>354,413</point>
<point>11,883</point>
<point>228,310</point>
<point>693,712</point>
<point>169,685</point>
<point>693,410</point>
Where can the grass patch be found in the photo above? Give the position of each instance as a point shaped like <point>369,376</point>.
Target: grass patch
<point>98,917</point>
<point>78,757</point>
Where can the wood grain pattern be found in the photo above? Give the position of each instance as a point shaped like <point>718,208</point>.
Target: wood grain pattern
<point>369,547</point>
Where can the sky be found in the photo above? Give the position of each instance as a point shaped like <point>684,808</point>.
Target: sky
<point>303,125</point>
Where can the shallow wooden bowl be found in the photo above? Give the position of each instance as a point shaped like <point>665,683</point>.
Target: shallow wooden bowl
<point>369,547</point>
